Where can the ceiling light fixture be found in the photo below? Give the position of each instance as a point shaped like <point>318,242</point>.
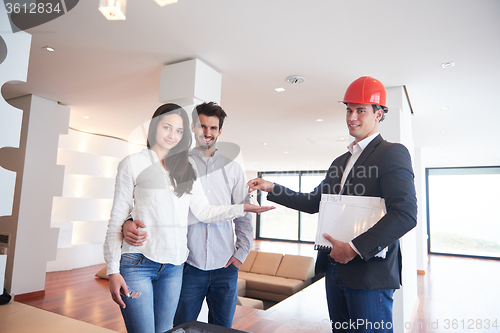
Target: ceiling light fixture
<point>165,2</point>
<point>264,143</point>
<point>86,117</point>
<point>319,120</point>
<point>294,79</point>
<point>445,108</point>
<point>48,48</point>
<point>280,89</point>
<point>113,9</point>
<point>448,64</point>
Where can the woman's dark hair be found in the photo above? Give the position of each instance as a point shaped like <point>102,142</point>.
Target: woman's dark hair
<point>181,172</point>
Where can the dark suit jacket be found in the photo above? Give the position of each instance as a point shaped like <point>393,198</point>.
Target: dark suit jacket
<point>382,170</point>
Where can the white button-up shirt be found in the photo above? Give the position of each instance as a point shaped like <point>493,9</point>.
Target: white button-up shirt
<point>212,245</point>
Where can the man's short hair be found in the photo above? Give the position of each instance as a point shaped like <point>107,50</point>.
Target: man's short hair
<point>209,109</point>
<point>380,107</point>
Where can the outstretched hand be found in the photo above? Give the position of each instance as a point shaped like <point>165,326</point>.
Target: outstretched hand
<point>260,184</point>
<point>341,252</point>
<point>250,208</point>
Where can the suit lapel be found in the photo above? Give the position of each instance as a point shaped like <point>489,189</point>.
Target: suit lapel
<point>368,150</point>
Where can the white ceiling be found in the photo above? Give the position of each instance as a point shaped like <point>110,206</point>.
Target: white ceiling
<point>110,70</point>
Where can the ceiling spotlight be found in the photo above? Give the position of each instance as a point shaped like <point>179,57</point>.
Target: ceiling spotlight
<point>294,79</point>
<point>48,48</point>
<point>448,64</point>
<point>442,132</point>
<point>165,2</point>
<point>264,143</point>
<point>280,89</point>
<point>319,120</point>
<point>113,9</point>
<point>86,117</point>
<point>445,108</point>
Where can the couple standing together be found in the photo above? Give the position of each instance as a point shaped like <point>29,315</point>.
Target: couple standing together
<point>160,189</point>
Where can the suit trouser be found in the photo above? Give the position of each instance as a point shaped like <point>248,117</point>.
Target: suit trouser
<point>357,310</point>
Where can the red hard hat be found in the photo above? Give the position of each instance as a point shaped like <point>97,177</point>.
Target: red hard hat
<point>366,90</point>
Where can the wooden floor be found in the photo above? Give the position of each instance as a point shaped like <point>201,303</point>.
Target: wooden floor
<point>456,295</point>
<point>459,295</point>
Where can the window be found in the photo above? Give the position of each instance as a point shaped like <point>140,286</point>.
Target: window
<point>285,223</point>
<point>464,211</point>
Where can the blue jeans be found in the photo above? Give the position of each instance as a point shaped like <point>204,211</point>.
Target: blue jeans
<point>357,310</point>
<point>156,287</point>
<point>219,286</point>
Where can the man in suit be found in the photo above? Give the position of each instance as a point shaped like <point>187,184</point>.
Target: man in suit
<point>361,275</point>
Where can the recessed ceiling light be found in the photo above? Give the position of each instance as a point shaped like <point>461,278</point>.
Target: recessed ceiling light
<point>294,79</point>
<point>49,48</point>
<point>441,144</point>
<point>445,108</point>
<point>264,143</point>
<point>280,89</point>
<point>319,120</point>
<point>442,132</point>
<point>448,64</point>
<point>342,139</point>
<point>86,117</point>
<point>285,152</point>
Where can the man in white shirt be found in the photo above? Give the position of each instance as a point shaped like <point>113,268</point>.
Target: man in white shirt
<point>211,270</point>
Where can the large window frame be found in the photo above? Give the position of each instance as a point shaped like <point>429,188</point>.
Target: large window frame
<point>299,174</point>
<point>475,170</point>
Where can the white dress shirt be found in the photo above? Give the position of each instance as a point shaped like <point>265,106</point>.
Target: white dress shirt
<point>356,149</point>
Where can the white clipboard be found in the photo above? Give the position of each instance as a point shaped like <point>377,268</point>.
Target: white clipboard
<point>344,217</point>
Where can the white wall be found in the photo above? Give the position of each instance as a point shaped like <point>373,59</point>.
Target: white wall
<point>14,57</point>
<point>82,211</point>
<point>397,127</point>
<point>39,180</point>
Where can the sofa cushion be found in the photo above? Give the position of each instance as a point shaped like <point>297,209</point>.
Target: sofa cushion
<point>243,276</point>
<point>266,263</point>
<point>102,273</point>
<point>247,264</point>
<point>296,267</point>
<point>273,284</point>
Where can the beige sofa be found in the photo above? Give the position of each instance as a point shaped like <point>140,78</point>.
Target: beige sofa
<point>274,276</point>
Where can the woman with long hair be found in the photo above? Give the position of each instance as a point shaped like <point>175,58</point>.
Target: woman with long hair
<point>157,186</point>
